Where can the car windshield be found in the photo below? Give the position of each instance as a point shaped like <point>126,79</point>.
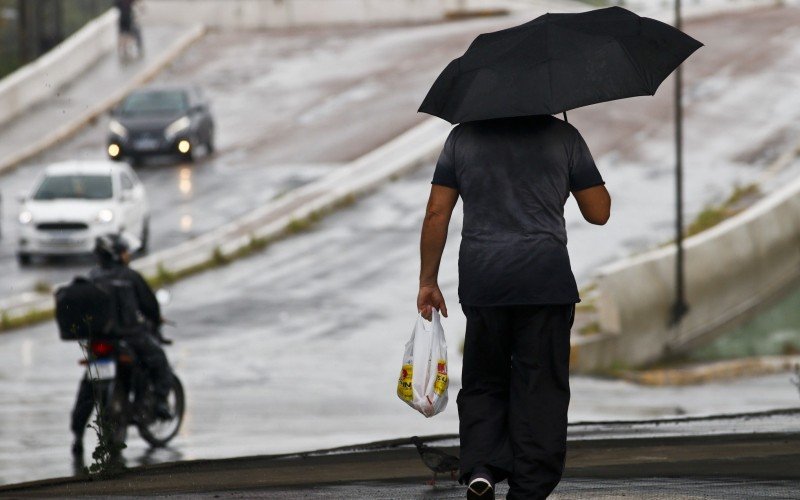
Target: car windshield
<point>86,187</point>
<point>154,102</point>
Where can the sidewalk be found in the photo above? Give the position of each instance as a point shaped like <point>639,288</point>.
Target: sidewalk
<point>677,458</point>
<point>68,108</point>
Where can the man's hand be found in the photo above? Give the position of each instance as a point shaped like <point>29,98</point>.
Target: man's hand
<point>429,298</point>
<point>431,245</point>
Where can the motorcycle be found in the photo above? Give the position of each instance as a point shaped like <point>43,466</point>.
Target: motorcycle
<point>125,396</point>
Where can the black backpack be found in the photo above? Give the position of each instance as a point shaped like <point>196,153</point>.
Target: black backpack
<point>127,320</point>
<point>84,310</point>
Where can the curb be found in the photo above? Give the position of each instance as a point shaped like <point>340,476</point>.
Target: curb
<point>713,372</point>
<point>71,128</point>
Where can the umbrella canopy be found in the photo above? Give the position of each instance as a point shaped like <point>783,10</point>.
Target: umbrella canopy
<point>558,62</point>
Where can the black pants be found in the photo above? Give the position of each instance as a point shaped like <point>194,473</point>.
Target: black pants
<point>513,403</point>
<point>84,404</point>
<point>150,354</point>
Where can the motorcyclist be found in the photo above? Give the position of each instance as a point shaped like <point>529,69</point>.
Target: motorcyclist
<point>113,255</point>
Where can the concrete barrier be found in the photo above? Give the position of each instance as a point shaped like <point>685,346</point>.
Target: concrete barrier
<point>43,77</point>
<point>731,271</point>
<point>248,14</point>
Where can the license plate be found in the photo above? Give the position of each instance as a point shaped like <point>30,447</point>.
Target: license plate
<point>102,370</point>
<point>146,144</point>
<point>63,240</point>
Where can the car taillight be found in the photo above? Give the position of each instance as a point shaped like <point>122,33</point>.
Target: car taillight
<point>101,348</point>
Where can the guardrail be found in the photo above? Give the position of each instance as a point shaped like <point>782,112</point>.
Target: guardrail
<point>42,78</point>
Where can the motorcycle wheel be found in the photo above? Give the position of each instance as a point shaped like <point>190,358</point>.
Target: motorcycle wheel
<point>160,432</point>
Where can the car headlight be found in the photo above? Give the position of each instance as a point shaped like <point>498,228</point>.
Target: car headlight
<point>105,216</point>
<point>177,126</point>
<point>117,128</point>
<point>25,217</point>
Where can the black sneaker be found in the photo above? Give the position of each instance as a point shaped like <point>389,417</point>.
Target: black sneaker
<point>480,489</point>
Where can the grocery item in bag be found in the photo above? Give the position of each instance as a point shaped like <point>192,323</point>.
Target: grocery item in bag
<point>423,378</point>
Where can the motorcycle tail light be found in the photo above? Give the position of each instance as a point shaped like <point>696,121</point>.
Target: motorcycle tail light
<point>101,348</point>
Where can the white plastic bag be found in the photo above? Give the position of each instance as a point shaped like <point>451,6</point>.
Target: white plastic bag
<point>423,379</point>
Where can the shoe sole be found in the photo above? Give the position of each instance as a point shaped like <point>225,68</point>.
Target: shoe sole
<point>487,495</point>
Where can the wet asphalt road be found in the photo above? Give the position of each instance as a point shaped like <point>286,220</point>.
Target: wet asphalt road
<point>265,375</point>
<point>298,348</point>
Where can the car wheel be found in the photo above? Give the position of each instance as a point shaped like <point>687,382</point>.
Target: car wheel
<point>24,259</point>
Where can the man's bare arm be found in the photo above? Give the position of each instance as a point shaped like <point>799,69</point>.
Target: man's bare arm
<point>441,202</point>
<point>595,204</point>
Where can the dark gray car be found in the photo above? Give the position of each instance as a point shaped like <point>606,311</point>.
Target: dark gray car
<point>161,121</point>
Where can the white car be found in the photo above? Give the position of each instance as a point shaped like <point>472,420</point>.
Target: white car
<point>74,202</point>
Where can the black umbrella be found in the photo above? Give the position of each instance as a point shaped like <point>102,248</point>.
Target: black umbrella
<point>558,62</point>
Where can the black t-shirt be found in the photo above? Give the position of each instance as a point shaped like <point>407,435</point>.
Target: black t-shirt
<point>514,176</point>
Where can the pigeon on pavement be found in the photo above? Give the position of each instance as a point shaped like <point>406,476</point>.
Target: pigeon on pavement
<point>436,460</point>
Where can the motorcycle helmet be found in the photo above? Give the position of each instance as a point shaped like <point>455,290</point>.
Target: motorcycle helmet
<point>110,247</point>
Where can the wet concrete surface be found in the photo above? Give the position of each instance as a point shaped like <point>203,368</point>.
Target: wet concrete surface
<point>744,465</point>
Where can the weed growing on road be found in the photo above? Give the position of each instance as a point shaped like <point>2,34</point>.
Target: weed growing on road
<point>106,457</point>
<point>107,461</point>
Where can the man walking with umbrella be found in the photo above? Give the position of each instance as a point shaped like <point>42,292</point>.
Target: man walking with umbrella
<point>514,167</point>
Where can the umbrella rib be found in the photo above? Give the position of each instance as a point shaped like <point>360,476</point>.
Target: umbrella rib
<point>548,58</point>
<point>634,65</point>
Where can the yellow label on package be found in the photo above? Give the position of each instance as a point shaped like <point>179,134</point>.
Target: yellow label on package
<point>441,378</point>
<point>404,389</point>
